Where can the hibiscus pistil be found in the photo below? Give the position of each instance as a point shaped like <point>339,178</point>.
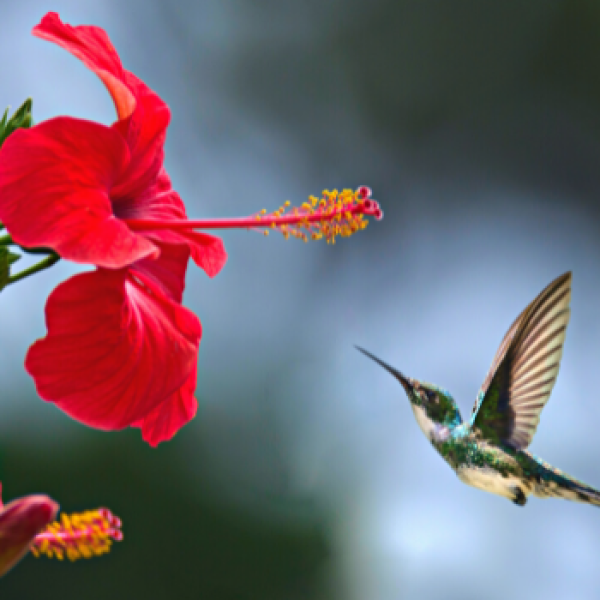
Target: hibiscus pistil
<point>80,535</point>
<point>333,214</point>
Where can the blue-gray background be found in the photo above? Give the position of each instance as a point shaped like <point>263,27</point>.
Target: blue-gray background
<point>304,475</point>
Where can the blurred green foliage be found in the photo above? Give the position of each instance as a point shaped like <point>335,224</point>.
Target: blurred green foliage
<point>180,541</point>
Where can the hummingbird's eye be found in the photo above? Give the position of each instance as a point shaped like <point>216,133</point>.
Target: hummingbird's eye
<point>432,396</point>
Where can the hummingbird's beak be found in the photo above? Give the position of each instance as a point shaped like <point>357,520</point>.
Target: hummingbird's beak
<point>403,380</point>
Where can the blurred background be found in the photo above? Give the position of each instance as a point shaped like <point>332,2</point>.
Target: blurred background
<point>304,475</point>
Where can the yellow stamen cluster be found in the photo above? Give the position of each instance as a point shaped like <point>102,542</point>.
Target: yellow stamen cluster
<point>334,213</point>
<point>82,535</point>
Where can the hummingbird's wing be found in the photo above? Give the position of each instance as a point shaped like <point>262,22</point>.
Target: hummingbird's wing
<point>524,369</point>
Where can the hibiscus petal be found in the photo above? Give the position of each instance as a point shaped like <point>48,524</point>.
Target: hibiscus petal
<point>93,47</point>
<point>168,418</point>
<point>161,203</point>
<point>145,132</point>
<point>54,184</point>
<point>168,270</point>
<point>208,251</point>
<point>143,116</point>
<point>116,348</point>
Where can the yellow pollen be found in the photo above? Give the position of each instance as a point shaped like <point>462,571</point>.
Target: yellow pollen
<point>81,535</point>
<point>335,213</point>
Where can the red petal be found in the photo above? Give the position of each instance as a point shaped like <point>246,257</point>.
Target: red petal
<point>144,117</point>
<point>145,132</point>
<point>54,192</point>
<point>92,46</point>
<point>168,418</point>
<point>208,251</point>
<point>115,350</point>
<point>164,204</point>
<point>168,270</point>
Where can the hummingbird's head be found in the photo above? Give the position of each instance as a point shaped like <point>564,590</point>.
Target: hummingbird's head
<point>434,408</point>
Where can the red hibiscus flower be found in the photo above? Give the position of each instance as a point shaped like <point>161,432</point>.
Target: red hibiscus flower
<point>69,184</point>
<point>121,350</point>
<point>25,524</point>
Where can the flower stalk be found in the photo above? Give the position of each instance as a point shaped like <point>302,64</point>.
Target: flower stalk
<point>44,264</point>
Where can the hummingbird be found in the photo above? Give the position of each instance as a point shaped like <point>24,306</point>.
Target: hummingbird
<point>489,452</point>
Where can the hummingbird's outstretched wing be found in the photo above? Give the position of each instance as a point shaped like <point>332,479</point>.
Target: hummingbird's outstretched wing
<point>524,369</point>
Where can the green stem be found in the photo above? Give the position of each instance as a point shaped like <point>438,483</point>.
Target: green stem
<point>6,240</point>
<point>37,250</point>
<point>43,264</point>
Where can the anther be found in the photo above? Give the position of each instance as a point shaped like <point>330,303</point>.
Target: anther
<point>79,536</point>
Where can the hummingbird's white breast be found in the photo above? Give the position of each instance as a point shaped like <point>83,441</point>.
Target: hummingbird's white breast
<point>432,430</point>
<point>491,481</point>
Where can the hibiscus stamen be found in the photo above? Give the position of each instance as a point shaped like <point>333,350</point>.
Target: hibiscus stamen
<point>333,214</point>
<point>81,535</point>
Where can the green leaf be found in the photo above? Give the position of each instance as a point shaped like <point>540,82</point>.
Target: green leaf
<point>4,119</point>
<point>21,119</point>
<point>22,111</point>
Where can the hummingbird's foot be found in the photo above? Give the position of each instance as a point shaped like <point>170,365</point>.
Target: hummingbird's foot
<point>520,498</point>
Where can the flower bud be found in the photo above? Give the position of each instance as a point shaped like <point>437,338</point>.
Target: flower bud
<point>20,521</point>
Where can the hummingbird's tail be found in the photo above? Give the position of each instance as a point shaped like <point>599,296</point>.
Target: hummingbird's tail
<point>578,493</point>
<point>551,482</point>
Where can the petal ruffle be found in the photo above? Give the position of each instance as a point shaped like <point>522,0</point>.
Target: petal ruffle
<point>143,116</point>
<point>108,332</point>
<point>93,47</point>
<point>55,180</point>
<point>167,419</point>
<point>167,271</point>
<point>208,251</point>
<point>145,132</point>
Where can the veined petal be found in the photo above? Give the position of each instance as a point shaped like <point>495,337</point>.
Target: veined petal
<point>93,47</point>
<point>143,116</point>
<point>208,251</point>
<point>145,132</point>
<point>168,270</point>
<point>55,180</point>
<point>167,419</point>
<point>116,348</point>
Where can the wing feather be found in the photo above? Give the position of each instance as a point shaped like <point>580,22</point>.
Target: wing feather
<point>524,369</point>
